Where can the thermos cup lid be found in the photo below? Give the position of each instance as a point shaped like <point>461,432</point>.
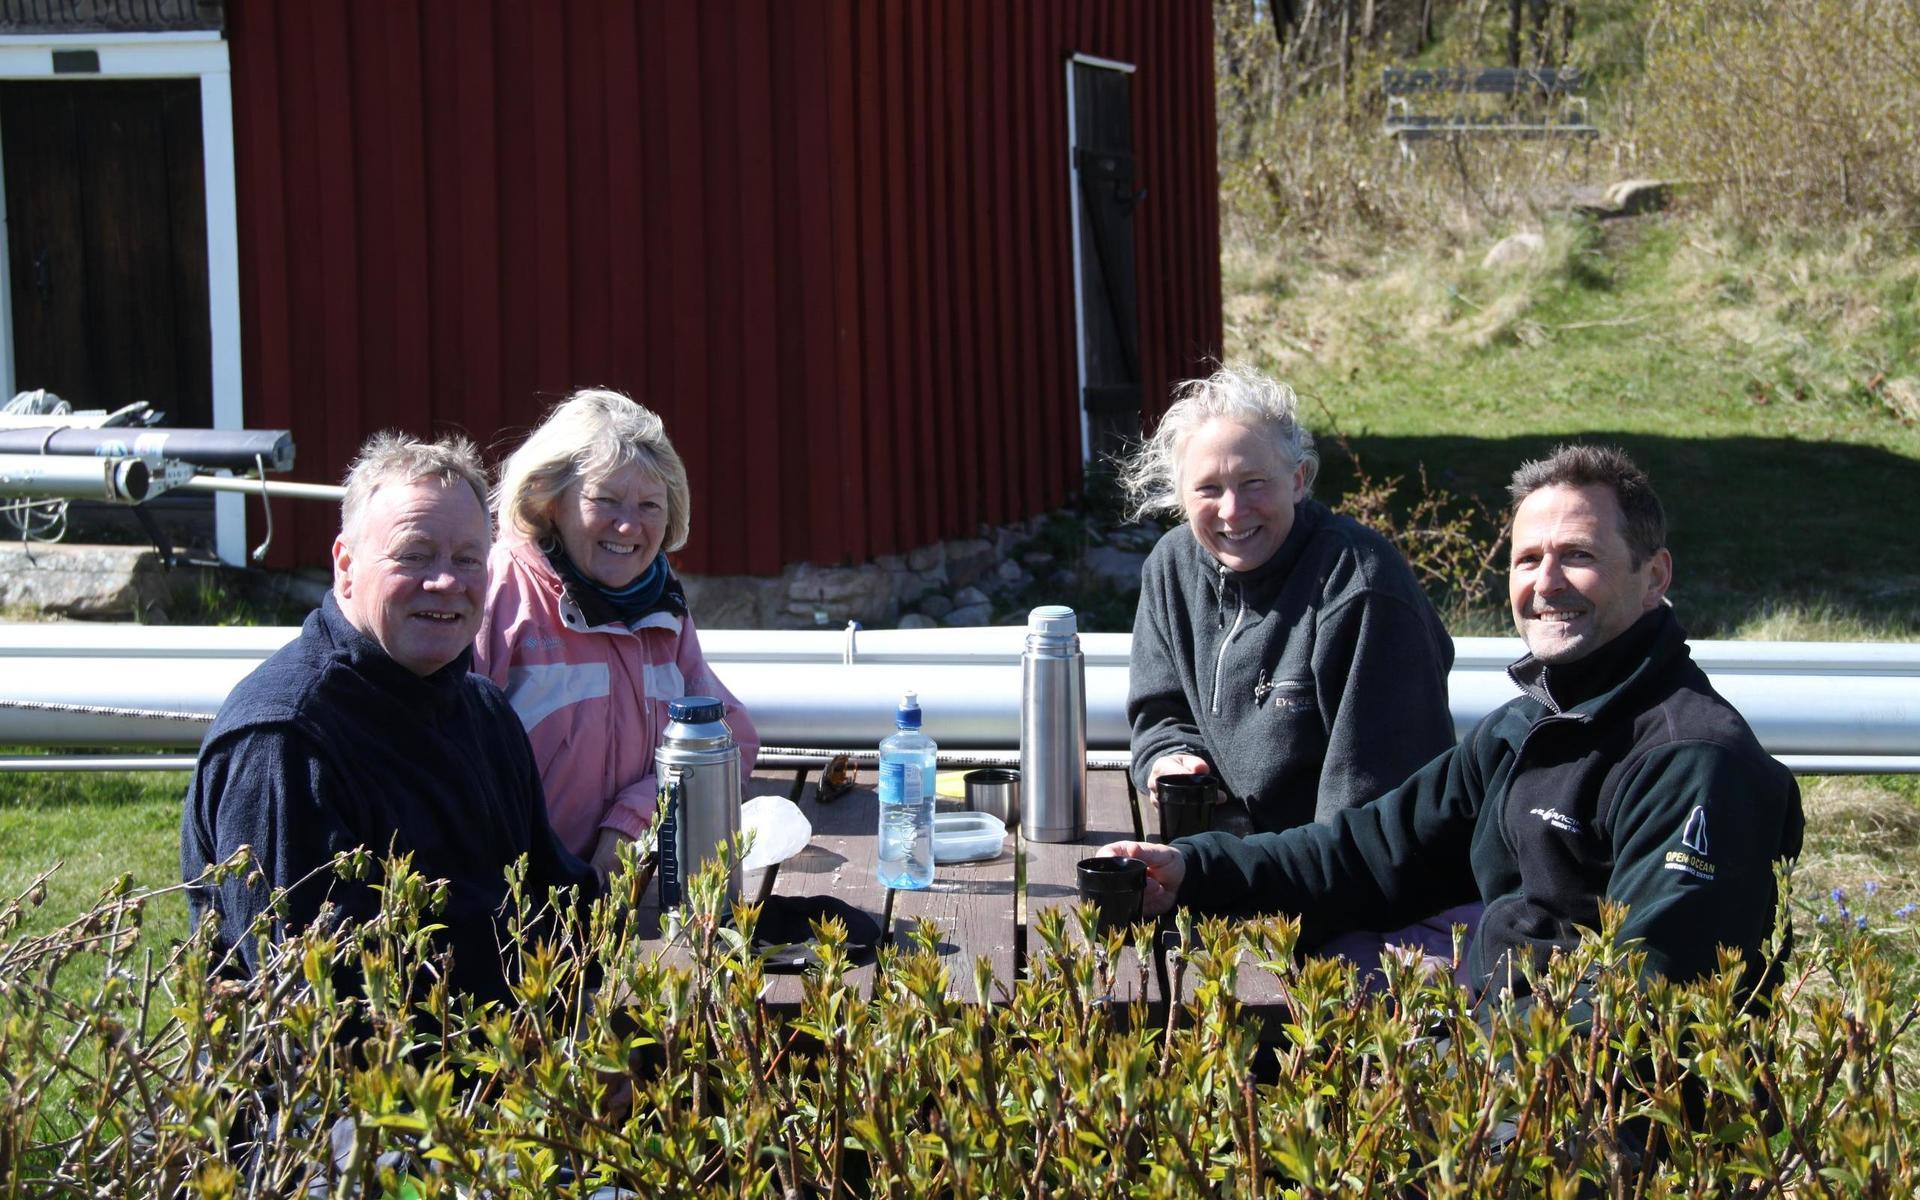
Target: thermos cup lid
<point>1055,620</point>
<point>695,710</point>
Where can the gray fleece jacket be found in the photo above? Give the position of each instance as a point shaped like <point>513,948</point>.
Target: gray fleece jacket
<point>1310,685</point>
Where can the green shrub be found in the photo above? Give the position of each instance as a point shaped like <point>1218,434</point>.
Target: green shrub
<point>1795,109</point>
<point>668,1075</point>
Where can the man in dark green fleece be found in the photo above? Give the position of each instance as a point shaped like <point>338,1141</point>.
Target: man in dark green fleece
<point>1619,774</point>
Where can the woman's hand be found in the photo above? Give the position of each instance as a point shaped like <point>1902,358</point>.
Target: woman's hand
<point>1166,869</point>
<point>606,853</point>
<point>1174,764</point>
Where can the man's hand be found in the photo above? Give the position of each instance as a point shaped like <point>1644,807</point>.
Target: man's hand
<point>1166,868</point>
<point>606,853</point>
<point>1174,764</point>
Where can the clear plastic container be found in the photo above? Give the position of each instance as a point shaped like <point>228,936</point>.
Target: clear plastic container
<point>967,837</point>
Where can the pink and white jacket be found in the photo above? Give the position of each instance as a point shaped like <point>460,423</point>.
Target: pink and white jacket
<point>593,699</point>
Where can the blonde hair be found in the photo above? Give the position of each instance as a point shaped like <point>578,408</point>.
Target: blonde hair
<point>394,457</point>
<point>589,435</point>
<point>1151,474</point>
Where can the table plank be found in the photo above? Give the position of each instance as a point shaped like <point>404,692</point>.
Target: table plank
<point>1051,882</point>
<point>972,903</point>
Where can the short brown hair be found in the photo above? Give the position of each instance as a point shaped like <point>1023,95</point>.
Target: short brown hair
<point>1643,522</point>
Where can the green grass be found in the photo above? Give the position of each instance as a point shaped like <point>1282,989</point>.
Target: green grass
<point>95,827</point>
<point>1757,381</point>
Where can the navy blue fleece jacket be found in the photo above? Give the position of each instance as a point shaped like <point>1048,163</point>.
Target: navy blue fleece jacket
<point>330,745</point>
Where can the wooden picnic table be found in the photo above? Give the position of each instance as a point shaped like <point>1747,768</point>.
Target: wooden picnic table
<point>986,909</point>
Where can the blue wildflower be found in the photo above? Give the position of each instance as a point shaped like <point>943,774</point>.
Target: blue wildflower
<point>1906,910</point>
<point>1871,887</point>
<point>1819,918</point>
<point>1839,896</point>
<point>1861,921</point>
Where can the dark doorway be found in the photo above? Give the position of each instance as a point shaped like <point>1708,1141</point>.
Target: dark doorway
<point>1109,308</point>
<point>107,243</point>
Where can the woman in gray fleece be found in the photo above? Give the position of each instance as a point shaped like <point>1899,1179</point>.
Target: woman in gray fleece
<point>1281,647</point>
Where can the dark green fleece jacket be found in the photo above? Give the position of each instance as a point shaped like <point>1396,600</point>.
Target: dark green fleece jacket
<point>1310,684</point>
<point>1622,777</point>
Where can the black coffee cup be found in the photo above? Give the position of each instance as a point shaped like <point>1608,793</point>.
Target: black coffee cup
<point>1186,804</point>
<point>1114,886</point>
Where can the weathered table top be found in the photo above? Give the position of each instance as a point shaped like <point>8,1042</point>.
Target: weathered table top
<point>987,909</point>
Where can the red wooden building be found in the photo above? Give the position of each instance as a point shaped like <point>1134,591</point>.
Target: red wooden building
<point>889,269</point>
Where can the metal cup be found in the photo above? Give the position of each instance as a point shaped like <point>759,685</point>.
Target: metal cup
<point>995,790</point>
<point>1185,803</point>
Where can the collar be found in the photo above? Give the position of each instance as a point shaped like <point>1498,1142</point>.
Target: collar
<point>1266,580</point>
<point>1591,684</point>
<point>583,610</point>
<point>365,658</point>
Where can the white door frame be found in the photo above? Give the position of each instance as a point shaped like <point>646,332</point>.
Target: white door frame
<point>1073,206</point>
<point>196,54</point>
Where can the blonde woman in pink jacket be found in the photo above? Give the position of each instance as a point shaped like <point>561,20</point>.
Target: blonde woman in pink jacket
<point>586,628</point>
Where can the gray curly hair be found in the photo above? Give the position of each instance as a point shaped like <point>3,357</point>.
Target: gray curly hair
<point>1151,474</point>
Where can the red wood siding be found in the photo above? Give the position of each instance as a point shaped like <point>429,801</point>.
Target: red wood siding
<point>829,241</point>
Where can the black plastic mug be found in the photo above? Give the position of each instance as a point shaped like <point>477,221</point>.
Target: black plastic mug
<point>1115,887</point>
<point>1186,804</point>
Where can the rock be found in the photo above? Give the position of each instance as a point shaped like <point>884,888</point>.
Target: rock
<point>909,586</point>
<point>969,595</point>
<point>928,558</point>
<point>1630,197</point>
<point>731,601</point>
<point>970,614</point>
<point>1118,567</point>
<point>918,621</point>
<point>1513,250</point>
<point>1036,560</point>
<point>1627,198</point>
<point>890,562</point>
<point>93,583</point>
<point>863,593</point>
<point>969,559</point>
<point>936,606</point>
<point>1010,573</point>
<point>1902,395</point>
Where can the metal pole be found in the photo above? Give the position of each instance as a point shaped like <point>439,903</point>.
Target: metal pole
<point>69,477</point>
<point>273,489</point>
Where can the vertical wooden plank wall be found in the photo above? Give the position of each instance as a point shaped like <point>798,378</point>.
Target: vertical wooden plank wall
<point>830,242</point>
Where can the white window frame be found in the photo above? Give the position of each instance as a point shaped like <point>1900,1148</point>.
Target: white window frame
<point>192,54</point>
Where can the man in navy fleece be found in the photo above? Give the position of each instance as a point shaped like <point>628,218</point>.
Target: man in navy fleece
<point>368,730</point>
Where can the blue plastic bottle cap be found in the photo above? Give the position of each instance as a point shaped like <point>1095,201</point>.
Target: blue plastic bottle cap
<point>1055,620</point>
<point>695,710</point>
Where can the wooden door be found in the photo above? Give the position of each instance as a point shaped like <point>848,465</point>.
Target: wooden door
<point>107,243</point>
<point>1109,306</point>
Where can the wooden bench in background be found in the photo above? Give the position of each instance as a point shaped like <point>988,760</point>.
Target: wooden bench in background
<point>1541,102</point>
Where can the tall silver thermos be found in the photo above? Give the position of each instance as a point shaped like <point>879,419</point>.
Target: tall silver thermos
<point>699,768</point>
<point>1053,728</point>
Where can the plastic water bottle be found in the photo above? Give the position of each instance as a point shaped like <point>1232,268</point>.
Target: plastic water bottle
<point>906,801</point>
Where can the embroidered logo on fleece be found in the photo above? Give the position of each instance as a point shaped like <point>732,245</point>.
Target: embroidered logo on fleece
<point>1692,860</point>
<point>1559,820</point>
<point>1291,697</point>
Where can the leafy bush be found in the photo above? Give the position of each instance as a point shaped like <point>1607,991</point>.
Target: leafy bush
<point>1795,109</point>
<point>668,1075</point>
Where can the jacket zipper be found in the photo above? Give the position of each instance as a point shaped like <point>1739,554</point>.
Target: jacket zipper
<point>1220,659</point>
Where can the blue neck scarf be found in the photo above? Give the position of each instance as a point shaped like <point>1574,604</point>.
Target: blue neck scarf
<point>648,594</point>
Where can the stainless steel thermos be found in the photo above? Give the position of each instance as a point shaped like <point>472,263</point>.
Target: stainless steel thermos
<point>699,769</point>
<point>1053,728</point>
